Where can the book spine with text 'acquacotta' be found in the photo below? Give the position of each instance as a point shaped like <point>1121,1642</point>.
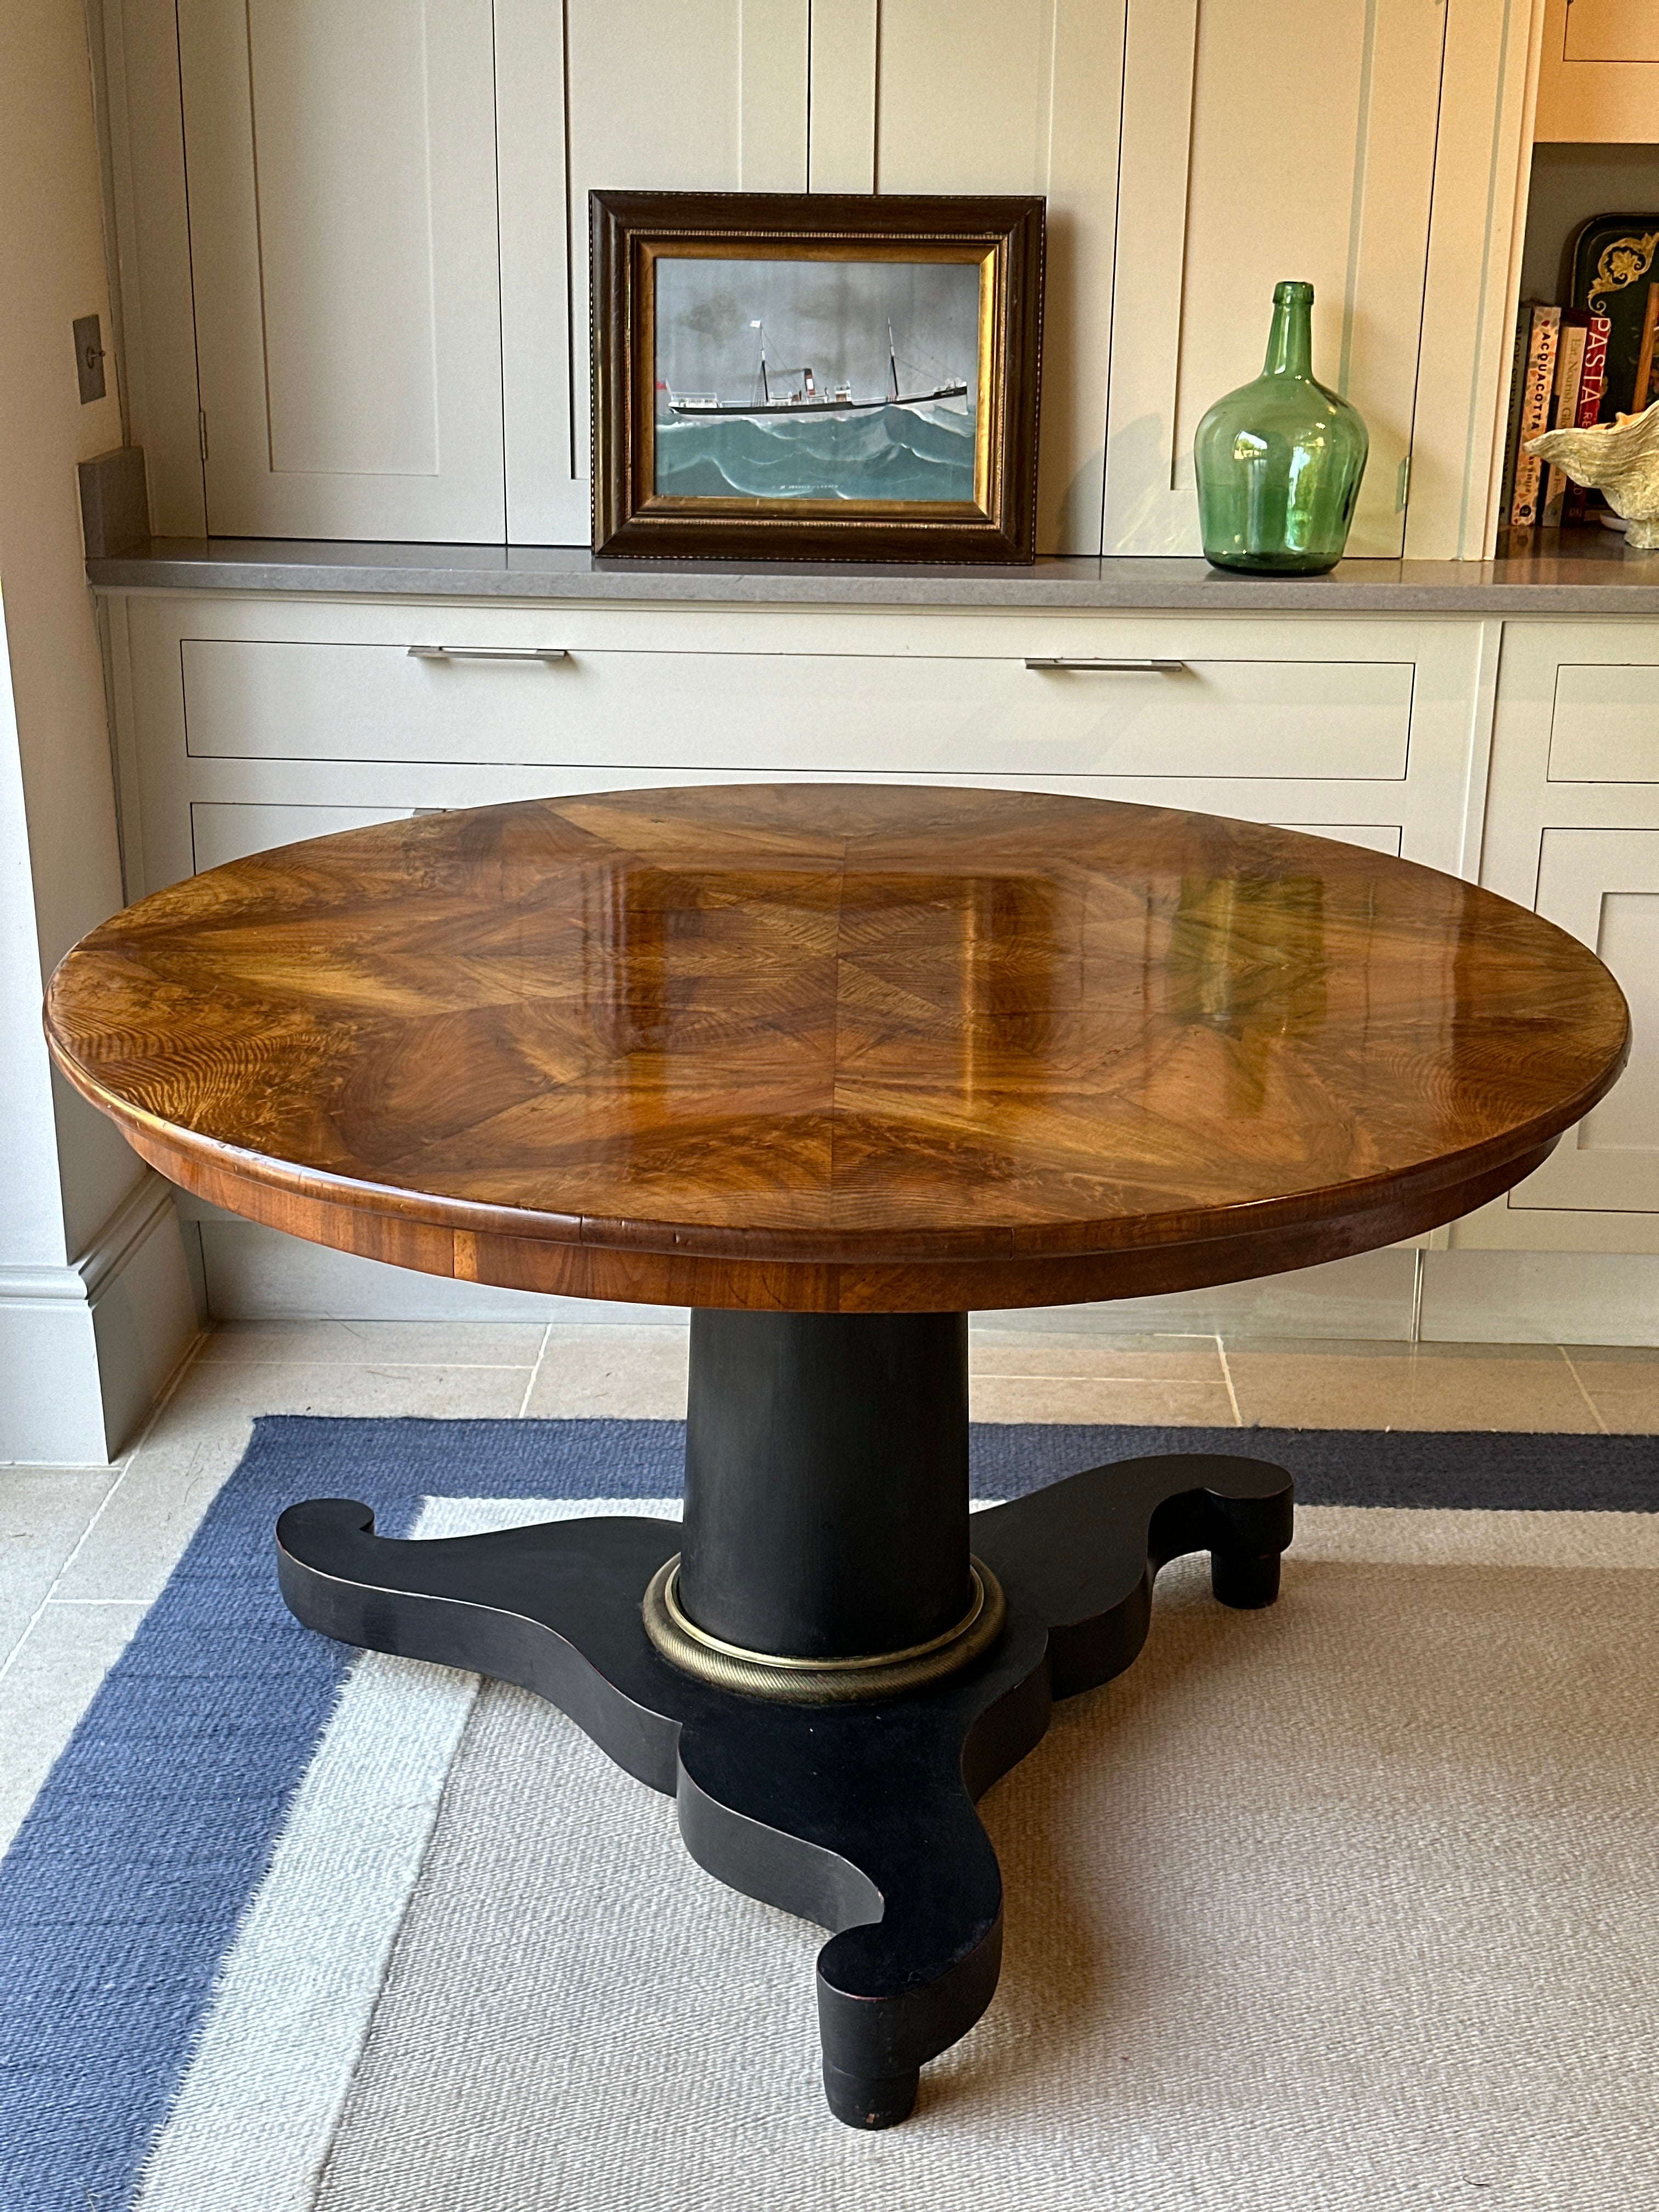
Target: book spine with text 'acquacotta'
<point>1512,426</point>
<point>1537,393</point>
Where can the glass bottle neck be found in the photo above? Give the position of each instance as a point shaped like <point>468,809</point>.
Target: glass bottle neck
<point>1289,340</point>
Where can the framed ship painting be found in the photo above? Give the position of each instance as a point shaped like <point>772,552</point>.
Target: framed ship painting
<point>815,377</point>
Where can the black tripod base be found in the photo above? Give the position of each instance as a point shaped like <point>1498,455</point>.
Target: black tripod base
<point>857,1816</point>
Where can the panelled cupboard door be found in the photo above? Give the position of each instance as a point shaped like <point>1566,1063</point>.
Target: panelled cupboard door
<point>1575,742</point>
<point>1020,96</point>
<point>1264,140</point>
<point>611,95</point>
<point>1598,76</point>
<point>1603,886</point>
<point>340,164</point>
<point>1572,829</point>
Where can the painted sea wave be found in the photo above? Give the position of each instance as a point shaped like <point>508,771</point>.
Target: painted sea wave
<point>899,453</point>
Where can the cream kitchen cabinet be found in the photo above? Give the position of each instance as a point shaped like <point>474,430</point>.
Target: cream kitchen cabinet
<point>1572,830</point>
<point>1361,727</point>
<point>247,721</point>
<point>1525,749</point>
<point>373,217</point>
<point>1598,74</point>
<point>376,214</point>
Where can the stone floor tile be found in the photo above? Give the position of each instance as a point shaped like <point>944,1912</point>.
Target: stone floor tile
<point>1379,1386</point>
<point>43,1512</point>
<point>612,1374</point>
<point>1143,1403</point>
<point>371,1343</point>
<point>1622,1384</point>
<point>1152,1359</point>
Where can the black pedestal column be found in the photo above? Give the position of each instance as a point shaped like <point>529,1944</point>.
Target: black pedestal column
<point>826,1481</point>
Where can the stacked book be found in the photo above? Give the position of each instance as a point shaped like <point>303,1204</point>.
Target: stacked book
<point>1559,382</point>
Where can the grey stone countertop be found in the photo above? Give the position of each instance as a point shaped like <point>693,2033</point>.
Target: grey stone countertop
<point>1581,571</point>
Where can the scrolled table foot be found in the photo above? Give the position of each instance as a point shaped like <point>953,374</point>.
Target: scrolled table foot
<point>1081,1554</point>
<point>1246,1583</point>
<point>871,2100</point>
<point>862,1818</point>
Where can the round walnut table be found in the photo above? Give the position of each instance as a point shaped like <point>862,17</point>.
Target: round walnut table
<point>832,1065</point>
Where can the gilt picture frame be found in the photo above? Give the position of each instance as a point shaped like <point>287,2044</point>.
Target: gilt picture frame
<point>822,376</point>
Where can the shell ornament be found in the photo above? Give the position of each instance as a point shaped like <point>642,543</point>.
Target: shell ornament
<point>1619,459</point>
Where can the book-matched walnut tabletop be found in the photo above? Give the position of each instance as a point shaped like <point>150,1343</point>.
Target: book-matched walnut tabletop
<point>828,1047</point>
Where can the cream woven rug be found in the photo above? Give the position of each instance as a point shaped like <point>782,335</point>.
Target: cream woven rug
<point>1346,1905</point>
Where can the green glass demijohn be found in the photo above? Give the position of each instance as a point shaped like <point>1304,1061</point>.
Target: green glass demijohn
<point>1280,460</point>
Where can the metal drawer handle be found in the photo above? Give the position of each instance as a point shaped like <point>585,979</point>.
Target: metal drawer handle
<point>547,652</point>
<point>1113,668</point>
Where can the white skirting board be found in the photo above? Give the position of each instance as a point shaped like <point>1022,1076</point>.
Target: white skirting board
<point>1373,1296</point>
<point>85,1348</point>
<point>254,1274</point>
<point>1540,1298</point>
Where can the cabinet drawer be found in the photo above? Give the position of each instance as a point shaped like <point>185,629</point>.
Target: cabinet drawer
<point>834,714</point>
<point>1604,726</point>
<point>222,831</point>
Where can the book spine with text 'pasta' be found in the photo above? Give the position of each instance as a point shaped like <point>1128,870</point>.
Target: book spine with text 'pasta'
<point>1592,389</point>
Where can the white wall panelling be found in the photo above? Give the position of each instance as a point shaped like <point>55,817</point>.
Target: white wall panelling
<point>341,167</point>
<point>727,94</point>
<point>654,98</point>
<point>547,496</point>
<point>152,246</point>
<point>1477,230</point>
<point>841,136</point>
<point>1229,182</point>
<point>1044,118</point>
<point>772,113</point>
<point>712,94</point>
<point>600,95</point>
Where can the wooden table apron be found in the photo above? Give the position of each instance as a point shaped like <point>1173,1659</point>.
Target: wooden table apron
<point>833,1065</point>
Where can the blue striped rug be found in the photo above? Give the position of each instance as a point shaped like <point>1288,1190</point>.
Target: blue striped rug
<point>125,1886</point>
